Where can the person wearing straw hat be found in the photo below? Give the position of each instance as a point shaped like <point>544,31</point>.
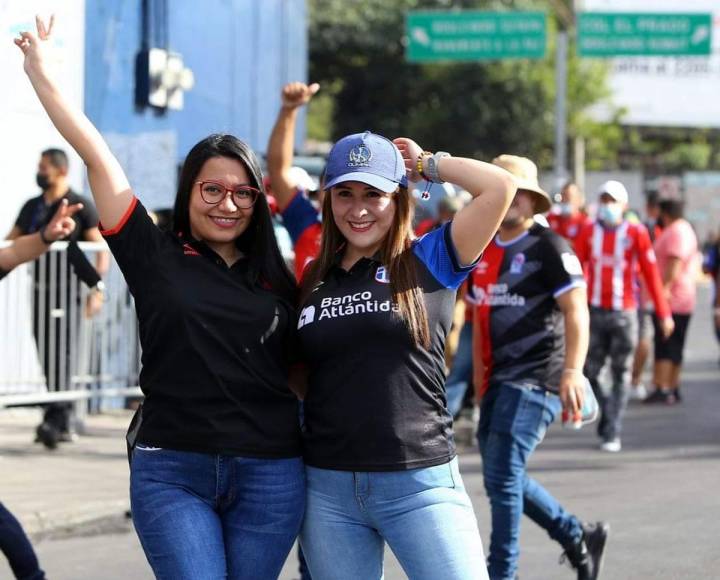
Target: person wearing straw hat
<point>530,333</point>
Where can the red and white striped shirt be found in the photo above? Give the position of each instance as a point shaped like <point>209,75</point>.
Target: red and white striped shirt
<point>611,258</point>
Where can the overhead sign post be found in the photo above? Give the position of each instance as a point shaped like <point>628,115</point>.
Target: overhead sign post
<point>475,36</point>
<point>609,35</point>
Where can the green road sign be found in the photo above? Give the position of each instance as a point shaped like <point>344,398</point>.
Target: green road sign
<point>475,35</point>
<point>603,34</point>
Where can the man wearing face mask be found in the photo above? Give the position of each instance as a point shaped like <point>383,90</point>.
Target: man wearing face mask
<point>568,220</point>
<point>612,251</point>
<point>51,314</point>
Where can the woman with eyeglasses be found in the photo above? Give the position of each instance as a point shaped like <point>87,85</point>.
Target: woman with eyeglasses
<point>217,481</point>
<point>377,305</point>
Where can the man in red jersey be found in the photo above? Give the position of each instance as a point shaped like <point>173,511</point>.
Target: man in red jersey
<point>612,251</point>
<point>569,219</point>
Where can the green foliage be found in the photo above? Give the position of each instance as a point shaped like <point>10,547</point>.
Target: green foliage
<point>474,109</point>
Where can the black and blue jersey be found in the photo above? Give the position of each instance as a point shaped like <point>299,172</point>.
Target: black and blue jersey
<point>376,400</point>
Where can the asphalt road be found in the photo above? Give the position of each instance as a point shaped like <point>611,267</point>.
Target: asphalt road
<point>660,494</point>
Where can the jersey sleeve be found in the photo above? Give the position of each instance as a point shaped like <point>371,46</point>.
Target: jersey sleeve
<point>299,215</point>
<point>134,243</point>
<point>562,269</point>
<point>437,251</point>
<point>650,273</point>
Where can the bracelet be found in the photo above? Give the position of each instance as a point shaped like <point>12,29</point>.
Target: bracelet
<point>572,371</point>
<point>43,238</point>
<point>419,164</point>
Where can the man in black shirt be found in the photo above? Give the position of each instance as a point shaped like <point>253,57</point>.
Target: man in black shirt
<point>531,337</point>
<point>52,324</point>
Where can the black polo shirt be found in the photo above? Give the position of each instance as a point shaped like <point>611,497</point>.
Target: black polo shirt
<point>36,214</point>
<point>215,346</point>
<point>376,401</point>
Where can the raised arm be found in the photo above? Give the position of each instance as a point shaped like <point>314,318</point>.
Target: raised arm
<point>280,147</point>
<point>108,182</point>
<point>27,248</point>
<point>491,187</point>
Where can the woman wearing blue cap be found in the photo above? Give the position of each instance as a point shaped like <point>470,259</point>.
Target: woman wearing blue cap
<point>376,308</point>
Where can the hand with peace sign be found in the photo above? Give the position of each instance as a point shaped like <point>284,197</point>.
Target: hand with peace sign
<point>31,45</point>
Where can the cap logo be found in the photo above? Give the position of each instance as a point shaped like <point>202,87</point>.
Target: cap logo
<point>359,156</point>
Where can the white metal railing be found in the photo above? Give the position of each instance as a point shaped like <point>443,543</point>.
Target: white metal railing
<point>50,350</point>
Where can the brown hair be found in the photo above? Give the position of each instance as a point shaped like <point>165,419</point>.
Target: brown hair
<point>395,254</point>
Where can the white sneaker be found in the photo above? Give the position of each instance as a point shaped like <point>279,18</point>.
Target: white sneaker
<point>638,392</point>
<point>612,446</point>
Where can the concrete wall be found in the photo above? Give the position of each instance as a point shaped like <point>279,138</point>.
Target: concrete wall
<point>241,53</point>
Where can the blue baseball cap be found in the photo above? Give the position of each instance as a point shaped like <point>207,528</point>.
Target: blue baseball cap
<point>367,158</point>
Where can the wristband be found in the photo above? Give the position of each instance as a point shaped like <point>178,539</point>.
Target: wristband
<point>433,166</point>
<point>43,238</point>
<point>572,371</point>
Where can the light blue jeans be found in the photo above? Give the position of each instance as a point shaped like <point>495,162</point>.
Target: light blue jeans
<point>513,421</point>
<point>424,515</point>
<point>213,517</point>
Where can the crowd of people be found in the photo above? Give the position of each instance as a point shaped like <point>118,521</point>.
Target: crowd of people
<point>320,405</point>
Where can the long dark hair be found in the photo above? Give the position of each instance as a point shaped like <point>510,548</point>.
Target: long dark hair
<point>258,241</point>
<point>395,254</point>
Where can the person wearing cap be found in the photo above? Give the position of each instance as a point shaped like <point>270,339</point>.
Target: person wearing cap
<point>300,217</point>
<point>376,308</point>
<point>217,480</point>
<point>612,251</point>
<point>530,337</point>
<point>569,219</point>
<point>447,207</point>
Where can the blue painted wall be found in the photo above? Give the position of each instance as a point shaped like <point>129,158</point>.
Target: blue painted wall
<point>240,51</point>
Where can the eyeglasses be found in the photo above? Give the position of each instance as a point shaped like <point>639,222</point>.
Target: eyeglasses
<point>213,192</point>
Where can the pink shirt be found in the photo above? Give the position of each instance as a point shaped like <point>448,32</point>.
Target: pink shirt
<point>678,241</point>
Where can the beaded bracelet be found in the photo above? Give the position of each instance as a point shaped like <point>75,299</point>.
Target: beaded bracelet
<point>419,164</point>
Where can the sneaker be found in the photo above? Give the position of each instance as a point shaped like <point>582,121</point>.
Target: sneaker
<point>638,392</point>
<point>611,445</point>
<point>47,435</point>
<point>662,396</point>
<point>586,556</point>
<point>68,437</point>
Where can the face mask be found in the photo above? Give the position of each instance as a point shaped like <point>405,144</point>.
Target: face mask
<point>42,181</point>
<point>566,209</point>
<point>610,213</point>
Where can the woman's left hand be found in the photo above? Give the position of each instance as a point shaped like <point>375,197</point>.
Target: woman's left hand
<point>410,152</point>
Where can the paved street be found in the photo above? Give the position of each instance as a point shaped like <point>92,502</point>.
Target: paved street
<point>660,493</point>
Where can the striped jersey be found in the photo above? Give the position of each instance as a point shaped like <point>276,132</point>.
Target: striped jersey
<point>612,258</point>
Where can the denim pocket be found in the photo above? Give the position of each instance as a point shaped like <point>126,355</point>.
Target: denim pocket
<point>436,476</point>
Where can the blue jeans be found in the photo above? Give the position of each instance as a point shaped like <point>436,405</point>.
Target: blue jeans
<point>207,517</point>
<point>513,421</point>
<point>460,375</point>
<point>423,514</point>
<point>17,548</point>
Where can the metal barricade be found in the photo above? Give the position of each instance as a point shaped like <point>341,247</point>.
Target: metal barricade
<point>51,351</point>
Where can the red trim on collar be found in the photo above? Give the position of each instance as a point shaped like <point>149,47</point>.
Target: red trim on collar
<point>123,220</point>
